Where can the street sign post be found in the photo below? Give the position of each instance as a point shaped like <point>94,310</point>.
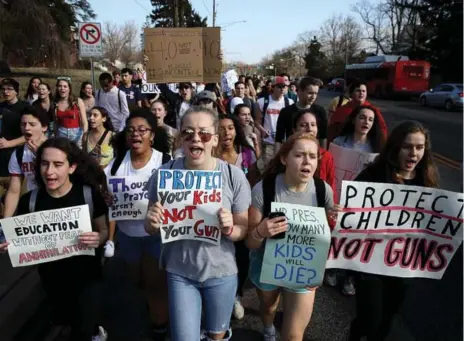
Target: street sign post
<point>90,43</point>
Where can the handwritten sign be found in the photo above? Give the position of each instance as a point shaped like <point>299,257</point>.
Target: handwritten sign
<point>348,164</point>
<point>47,236</point>
<point>298,260</point>
<point>396,230</point>
<point>191,200</point>
<point>228,80</point>
<point>130,197</point>
<point>183,54</point>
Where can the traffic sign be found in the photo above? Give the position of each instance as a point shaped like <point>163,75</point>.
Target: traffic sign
<point>90,40</point>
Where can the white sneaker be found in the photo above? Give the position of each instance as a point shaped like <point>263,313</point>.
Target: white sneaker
<point>239,311</point>
<point>348,287</point>
<point>330,278</point>
<point>109,249</point>
<point>102,335</point>
<point>269,334</point>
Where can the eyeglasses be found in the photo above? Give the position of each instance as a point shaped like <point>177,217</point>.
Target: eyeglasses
<point>7,89</point>
<point>140,130</point>
<point>188,135</point>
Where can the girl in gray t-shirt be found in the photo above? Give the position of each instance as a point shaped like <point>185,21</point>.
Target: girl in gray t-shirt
<point>361,131</point>
<point>202,275</point>
<point>292,175</point>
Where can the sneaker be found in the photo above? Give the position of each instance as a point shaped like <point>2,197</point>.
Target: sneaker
<point>348,287</point>
<point>109,249</point>
<point>160,334</point>
<point>269,334</point>
<point>239,311</point>
<point>102,335</point>
<point>330,278</point>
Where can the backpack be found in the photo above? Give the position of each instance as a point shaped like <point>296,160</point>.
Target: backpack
<point>269,193</point>
<point>266,104</point>
<point>117,162</point>
<point>119,98</point>
<point>340,101</point>
<point>20,154</point>
<point>87,190</point>
<point>95,152</point>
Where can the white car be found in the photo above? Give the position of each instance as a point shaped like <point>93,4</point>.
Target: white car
<point>447,95</point>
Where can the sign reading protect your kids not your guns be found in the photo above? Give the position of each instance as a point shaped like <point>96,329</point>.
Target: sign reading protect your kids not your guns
<point>130,198</point>
<point>299,259</point>
<point>396,230</point>
<point>191,202</point>
<point>47,236</point>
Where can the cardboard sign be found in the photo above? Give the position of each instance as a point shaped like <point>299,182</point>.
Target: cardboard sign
<point>130,197</point>
<point>47,236</point>
<point>298,260</point>
<point>183,55</point>
<point>396,230</point>
<point>191,201</point>
<point>348,164</point>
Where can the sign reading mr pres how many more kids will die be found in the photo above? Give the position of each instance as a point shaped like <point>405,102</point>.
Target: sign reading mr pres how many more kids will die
<point>191,202</point>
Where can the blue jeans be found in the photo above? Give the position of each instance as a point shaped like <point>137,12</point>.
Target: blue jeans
<point>186,299</point>
<point>73,134</point>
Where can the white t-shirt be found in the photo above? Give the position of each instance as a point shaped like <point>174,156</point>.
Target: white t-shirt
<point>135,228</point>
<point>271,115</point>
<point>26,169</point>
<point>183,108</point>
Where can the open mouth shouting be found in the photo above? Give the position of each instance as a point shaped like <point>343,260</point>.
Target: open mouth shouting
<point>365,127</point>
<point>135,143</point>
<point>196,152</point>
<point>410,164</point>
<point>28,135</point>
<point>305,171</point>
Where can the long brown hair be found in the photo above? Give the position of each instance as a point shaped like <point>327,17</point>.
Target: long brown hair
<point>426,170</point>
<point>275,166</point>
<point>71,98</point>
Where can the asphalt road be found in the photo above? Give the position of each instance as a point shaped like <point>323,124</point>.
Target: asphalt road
<point>432,310</point>
<point>446,128</point>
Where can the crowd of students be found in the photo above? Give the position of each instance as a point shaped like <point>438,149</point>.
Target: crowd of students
<point>269,139</point>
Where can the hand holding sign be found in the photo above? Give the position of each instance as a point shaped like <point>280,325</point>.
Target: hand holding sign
<point>270,227</point>
<point>226,221</point>
<point>3,247</point>
<point>155,216</point>
<point>90,239</point>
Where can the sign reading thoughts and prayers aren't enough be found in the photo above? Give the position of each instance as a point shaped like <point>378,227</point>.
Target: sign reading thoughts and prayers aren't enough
<point>396,230</point>
<point>191,201</point>
<point>46,236</point>
<point>298,260</point>
<point>130,198</point>
<point>183,55</point>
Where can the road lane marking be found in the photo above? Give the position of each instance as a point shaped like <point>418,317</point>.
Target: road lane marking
<point>446,161</point>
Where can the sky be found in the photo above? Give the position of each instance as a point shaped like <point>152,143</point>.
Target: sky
<point>261,26</point>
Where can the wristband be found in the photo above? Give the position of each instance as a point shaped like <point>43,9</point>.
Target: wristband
<point>259,239</point>
<point>228,234</point>
<point>259,234</point>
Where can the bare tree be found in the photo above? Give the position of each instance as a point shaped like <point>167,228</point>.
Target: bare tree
<point>121,42</point>
<point>388,24</point>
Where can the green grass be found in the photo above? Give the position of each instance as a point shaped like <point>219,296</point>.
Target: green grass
<point>23,75</point>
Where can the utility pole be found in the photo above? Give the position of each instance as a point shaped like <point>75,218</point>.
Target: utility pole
<point>214,13</point>
<point>176,13</point>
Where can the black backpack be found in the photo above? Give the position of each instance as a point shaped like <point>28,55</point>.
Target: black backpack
<point>266,104</point>
<point>269,193</point>
<point>20,154</point>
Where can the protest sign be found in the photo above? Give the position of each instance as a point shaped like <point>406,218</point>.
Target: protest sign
<point>228,80</point>
<point>130,197</point>
<point>148,88</point>
<point>396,230</point>
<point>183,54</point>
<point>348,164</point>
<point>299,259</point>
<point>191,201</point>
<point>47,236</point>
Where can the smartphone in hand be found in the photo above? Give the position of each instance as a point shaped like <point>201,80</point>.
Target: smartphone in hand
<point>273,215</point>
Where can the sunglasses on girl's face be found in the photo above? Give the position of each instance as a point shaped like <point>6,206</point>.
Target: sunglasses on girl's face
<point>188,135</point>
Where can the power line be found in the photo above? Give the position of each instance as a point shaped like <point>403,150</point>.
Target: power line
<point>142,6</point>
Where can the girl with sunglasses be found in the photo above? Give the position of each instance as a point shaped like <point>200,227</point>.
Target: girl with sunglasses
<point>70,115</point>
<point>291,174</point>
<point>252,134</point>
<point>406,159</point>
<point>203,274</point>
<point>65,177</point>
<point>96,142</point>
<point>137,154</point>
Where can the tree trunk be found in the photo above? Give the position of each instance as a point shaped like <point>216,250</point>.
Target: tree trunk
<point>176,13</point>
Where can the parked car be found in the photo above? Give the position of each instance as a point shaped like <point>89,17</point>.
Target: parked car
<point>449,96</point>
<point>336,84</point>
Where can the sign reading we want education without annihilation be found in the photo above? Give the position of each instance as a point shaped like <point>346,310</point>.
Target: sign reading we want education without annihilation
<point>396,230</point>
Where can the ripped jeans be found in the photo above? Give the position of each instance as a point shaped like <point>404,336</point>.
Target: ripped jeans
<point>186,300</point>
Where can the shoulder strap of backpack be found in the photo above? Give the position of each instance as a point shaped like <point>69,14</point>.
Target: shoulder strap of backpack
<point>119,99</point>
<point>20,154</point>
<point>287,101</point>
<point>340,101</point>
<point>320,191</point>
<point>230,178</point>
<point>166,158</point>
<point>102,138</point>
<point>265,105</point>
<point>268,194</point>
<point>88,199</point>
<point>172,164</point>
<point>98,95</point>
<point>117,162</point>
<point>33,200</point>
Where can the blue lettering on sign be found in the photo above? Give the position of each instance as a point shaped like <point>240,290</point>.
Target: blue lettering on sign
<point>294,251</point>
<point>190,179</point>
<point>294,274</point>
